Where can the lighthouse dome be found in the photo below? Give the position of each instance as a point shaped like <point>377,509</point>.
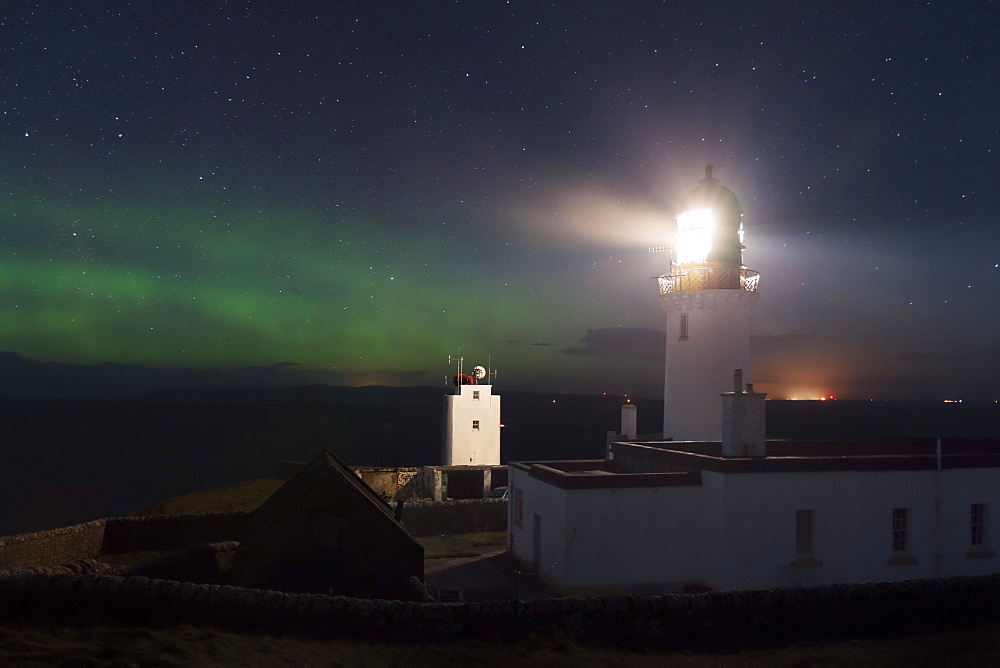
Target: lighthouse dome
<point>726,245</point>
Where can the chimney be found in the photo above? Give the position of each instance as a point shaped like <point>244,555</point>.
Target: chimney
<point>744,430</point>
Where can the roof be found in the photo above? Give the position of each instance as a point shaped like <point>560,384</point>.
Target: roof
<point>681,463</point>
<point>324,465</point>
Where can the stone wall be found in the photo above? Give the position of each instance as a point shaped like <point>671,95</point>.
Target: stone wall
<point>717,619</point>
<point>170,532</point>
<point>392,483</point>
<point>208,563</point>
<point>434,518</point>
<point>52,547</point>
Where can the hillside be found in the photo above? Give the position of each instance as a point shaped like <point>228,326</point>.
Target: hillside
<point>243,496</point>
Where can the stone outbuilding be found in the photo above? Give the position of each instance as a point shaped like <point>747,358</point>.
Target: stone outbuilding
<point>325,531</point>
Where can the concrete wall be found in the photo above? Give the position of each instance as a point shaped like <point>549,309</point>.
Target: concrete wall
<point>717,619</point>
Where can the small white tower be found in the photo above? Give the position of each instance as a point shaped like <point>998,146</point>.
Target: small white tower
<point>471,422</point>
<point>707,296</point>
<point>630,420</point>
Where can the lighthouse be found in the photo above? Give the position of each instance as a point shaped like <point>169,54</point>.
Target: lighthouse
<point>707,296</point>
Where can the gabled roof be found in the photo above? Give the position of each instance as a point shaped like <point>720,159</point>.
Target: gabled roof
<point>324,467</point>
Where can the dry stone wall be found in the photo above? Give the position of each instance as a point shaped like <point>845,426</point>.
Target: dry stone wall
<point>171,532</point>
<point>434,518</point>
<point>52,547</point>
<point>42,549</point>
<point>714,619</point>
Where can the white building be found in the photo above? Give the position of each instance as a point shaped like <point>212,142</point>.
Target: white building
<point>663,516</point>
<point>719,506</point>
<point>471,429</point>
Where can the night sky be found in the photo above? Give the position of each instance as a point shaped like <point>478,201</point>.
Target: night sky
<point>347,193</point>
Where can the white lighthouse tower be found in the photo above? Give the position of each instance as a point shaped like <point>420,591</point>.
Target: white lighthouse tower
<point>471,422</point>
<point>708,296</point>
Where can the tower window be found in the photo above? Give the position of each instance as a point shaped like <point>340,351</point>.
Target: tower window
<point>899,529</point>
<point>978,517</point>
<point>804,531</point>
<point>475,395</point>
<point>475,425</point>
<point>684,327</point>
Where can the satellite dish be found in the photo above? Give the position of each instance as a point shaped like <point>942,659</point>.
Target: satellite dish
<point>479,372</point>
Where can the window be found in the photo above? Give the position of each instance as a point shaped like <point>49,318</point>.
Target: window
<point>899,527</point>
<point>804,532</point>
<point>475,395</point>
<point>475,425</point>
<point>978,524</point>
<point>684,327</point>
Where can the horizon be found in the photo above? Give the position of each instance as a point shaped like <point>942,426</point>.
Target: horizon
<point>111,380</point>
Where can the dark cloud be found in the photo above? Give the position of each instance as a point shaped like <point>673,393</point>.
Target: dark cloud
<point>642,343</point>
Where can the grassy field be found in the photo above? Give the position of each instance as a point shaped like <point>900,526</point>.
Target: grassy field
<point>241,496</point>
<point>189,646</point>
<point>461,545</point>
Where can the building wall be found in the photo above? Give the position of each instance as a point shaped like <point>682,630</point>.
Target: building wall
<point>529,498</point>
<point>462,444</point>
<point>853,526</point>
<point>738,531</point>
<point>657,531</point>
<point>700,367</point>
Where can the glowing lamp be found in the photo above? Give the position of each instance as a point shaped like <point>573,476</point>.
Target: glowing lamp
<point>694,236</point>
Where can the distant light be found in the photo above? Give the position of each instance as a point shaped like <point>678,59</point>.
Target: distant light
<point>953,401</point>
<point>553,401</point>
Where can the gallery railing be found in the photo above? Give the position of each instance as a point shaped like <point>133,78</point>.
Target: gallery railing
<point>709,278</point>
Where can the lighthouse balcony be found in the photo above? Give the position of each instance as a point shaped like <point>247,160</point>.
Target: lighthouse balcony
<point>709,278</point>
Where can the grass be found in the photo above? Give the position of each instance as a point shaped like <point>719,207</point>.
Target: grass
<point>461,545</point>
<point>243,496</point>
<point>129,559</point>
<point>977,645</point>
